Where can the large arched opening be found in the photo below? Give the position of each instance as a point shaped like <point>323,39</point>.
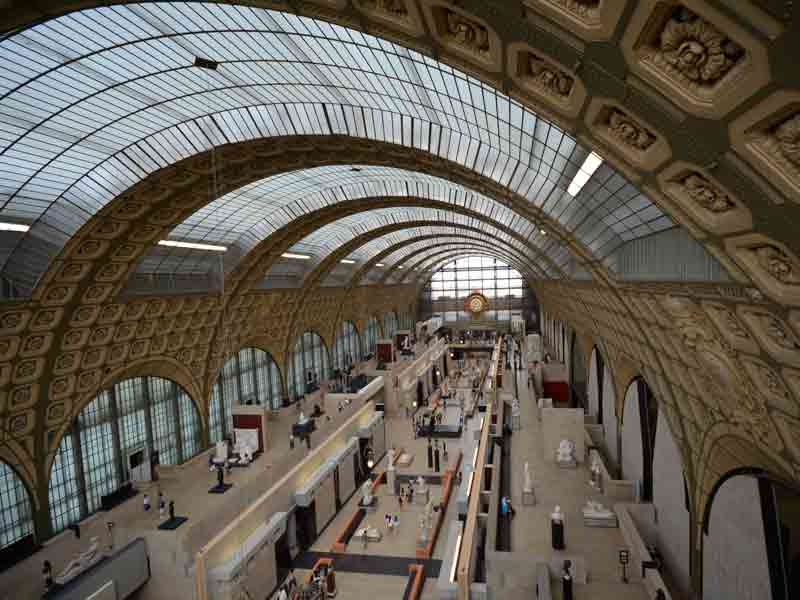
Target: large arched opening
<point>137,422</point>
<point>639,424</point>
<point>309,365</point>
<point>251,376</point>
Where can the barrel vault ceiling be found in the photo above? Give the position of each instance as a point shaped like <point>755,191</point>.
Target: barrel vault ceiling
<point>355,129</point>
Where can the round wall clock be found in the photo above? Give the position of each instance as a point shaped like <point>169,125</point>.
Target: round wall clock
<point>476,303</point>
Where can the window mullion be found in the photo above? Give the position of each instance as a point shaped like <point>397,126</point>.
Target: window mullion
<point>80,475</point>
<point>115,438</point>
<point>177,420</point>
<point>148,422</point>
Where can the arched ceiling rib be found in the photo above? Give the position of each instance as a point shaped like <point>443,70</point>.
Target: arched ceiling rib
<point>399,232</point>
<point>329,236</point>
<point>99,99</point>
<point>400,253</point>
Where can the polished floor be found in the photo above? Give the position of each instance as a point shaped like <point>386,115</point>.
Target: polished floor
<point>530,531</point>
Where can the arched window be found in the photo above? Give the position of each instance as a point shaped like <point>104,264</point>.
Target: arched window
<point>370,337</point>
<point>16,521</point>
<point>309,365</point>
<point>389,324</point>
<point>502,285</point>
<point>249,376</point>
<point>91,461</point>
<point>346,347</point>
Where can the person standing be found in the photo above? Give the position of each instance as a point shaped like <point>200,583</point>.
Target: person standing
<point>146,501</point>
<point>162,504</point>
<point>47,573</point>
<point>566,581</point>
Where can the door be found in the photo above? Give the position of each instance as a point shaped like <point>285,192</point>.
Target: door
<point>306,517</point>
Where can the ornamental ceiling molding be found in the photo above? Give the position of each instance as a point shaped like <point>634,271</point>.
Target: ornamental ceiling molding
<point>696,53</point>
<point>765,403</point>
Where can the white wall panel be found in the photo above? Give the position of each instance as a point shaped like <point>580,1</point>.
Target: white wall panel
<point>591,388</point>
<point>735,551</point>
<point>669,498</point>
<point>610,417</point>
<point>325,503</point>
<point>632,460</point>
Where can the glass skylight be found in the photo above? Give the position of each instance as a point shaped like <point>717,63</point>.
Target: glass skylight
<point>94,101</point>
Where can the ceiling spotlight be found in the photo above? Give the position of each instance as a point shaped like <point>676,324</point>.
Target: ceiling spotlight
<point>297,256</point>
<point>192,246</point>
<point>347,261</point>
<point>379,265</point>
<point>14,227</point>
<point>543,232</point>
<point>589,166</point>
<point>400,266</point>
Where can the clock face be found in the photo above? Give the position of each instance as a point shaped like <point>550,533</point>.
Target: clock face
<point>476,303</point>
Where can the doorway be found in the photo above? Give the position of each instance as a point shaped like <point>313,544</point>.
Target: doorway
<point>306,517</point>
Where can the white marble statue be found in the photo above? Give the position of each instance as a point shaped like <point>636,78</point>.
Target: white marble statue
<point>420,487</point>
<point>566,451</point>
<point>596,472</point>
<point>597,510</point>
<point>302,418</point>
<point>390,457</point>
<point>80,563</point>
<point>557,515</point>
<point>366,493</point>
<point>527,485</point>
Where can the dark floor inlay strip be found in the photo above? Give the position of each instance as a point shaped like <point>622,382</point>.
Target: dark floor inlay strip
<point>368,564</point>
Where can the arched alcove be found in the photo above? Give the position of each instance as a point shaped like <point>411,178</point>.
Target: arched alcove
<point>309,365</point>
<point>670,498</point>
<point>577,373</point>
<point>251,376</point>
<point>594,386</point>
<point>148,413</point>
<point>735,561</point>
<point>639,423</point>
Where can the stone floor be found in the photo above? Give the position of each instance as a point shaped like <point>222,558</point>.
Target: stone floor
<point>399,434</point>
<point>530,528</point>
<point>188,488</point>
<point>530,532</point>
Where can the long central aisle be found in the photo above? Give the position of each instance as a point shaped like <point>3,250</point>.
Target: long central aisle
<point>568,488</point>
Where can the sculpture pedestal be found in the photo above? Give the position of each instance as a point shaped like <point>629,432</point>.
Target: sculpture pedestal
<point>422,498</point>
<point>528,498</point>
<point>370,506</point>
<point>567,464</point>
<point>557,533</point>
